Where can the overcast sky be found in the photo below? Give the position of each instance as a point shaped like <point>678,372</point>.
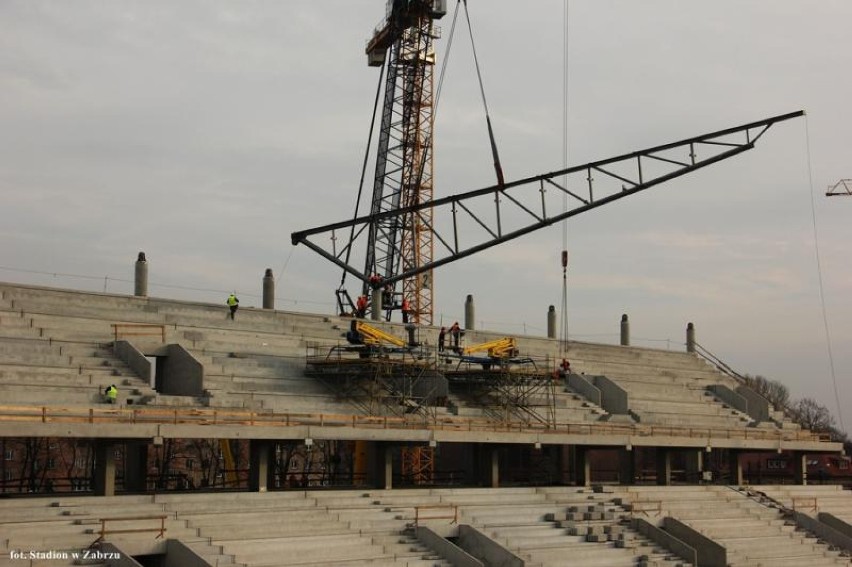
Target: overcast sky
<point>204,133</point>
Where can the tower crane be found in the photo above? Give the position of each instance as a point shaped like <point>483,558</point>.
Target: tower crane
<point>403,45</point>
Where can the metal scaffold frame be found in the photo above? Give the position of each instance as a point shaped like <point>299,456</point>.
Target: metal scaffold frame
<point>509,393</point>
<point>378,382</point>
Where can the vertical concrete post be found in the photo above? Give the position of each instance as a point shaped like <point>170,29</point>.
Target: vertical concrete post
<point>694,464</point>
<point>104,481</point>
<point>261,458</point>
<point>469,314</point>
<point>487,458</point>
<point>582,466</point>
<point>268,290</point>
<point>136,467</point>
<point>140,282</point>
<point>376,304</point>
<point>551,322</point>
<point>735,465</point>
<point>385,477</point>
<point>690,337</point>
<point>626,466</point>
<point>800,468</point>
<point>625,330</point>
<point>664,466</point>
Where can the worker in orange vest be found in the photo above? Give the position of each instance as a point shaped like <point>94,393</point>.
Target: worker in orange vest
<point>361,306</point>
<point>406,309</point>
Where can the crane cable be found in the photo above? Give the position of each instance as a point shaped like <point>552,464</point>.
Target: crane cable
<point>820,279</point>
<point>498,169</point>
<point>364,166</point>
<point>563,335</point>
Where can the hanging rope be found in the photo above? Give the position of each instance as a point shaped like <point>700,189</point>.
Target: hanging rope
<point>819,277</point>
<point>364,166</point>
<point>563,338</point>
<point>498,169</point>
<point>446,60</point>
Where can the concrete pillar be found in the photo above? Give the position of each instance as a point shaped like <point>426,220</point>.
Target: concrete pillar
<point>551,322</point>
<point>136,467</point>
<point>140,284</point>
<point>690,337</point>
<point>563,453</point>
<point>268,290</point>
<point>469,314</point>
<point>376,305</point>
<point>625,330</point>
<point>800,468</point>
<point>694,465</point>
<point>664,466</point>
<point>384,466</point>
<point>261,469</point>
<point>626,466</point>
<point>582,466</point>
<point>104,481</point>
<point>735,465</point>
<point>492,466</point>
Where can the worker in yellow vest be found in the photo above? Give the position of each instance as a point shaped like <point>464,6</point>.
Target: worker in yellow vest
<point>233,303</point>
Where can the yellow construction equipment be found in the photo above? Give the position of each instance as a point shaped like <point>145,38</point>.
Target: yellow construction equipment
<point>369,335</point>
<point>506,347</point>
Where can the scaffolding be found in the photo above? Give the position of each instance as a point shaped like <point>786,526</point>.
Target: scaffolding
<point>510,391</point>
<point>379,380</point>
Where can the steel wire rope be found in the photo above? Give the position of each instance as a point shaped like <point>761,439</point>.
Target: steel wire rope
<point>820,278</point>
<point>364,167</point>
<point>563,338</point>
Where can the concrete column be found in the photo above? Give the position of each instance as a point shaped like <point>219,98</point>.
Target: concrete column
<point>488,465</point>
<point>626,466</point>
<point>140,284</point>
<point>384,465</point>
<point>261,469</point>
<point>563,453</point>
<point>268,290</point>
<point>469,314</point>
<point>625,330</point>
<point>104,481</point>
<point>136,467</point>
<point>582,466</point>
<point>694,465</point>
<point>800,468</point>
<point>376,305</point>
<point>664,466</point>
<point>690,337</point>
<point>735,465</point>
<point>551,322</point>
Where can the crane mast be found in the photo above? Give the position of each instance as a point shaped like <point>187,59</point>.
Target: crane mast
<point>403,175</point>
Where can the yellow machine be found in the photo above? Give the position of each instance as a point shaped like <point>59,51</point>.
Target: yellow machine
<point>506,347</point>
<point>376,337</point>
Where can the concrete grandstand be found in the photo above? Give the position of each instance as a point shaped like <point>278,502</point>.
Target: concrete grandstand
<point>634,458</point>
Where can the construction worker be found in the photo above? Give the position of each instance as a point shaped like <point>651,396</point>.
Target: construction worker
<point>455,331</point>
<point>112,393</point>
<point>233,303</point>
<point>406,308</point>
<point>361,306</point>
<point>441,338</point>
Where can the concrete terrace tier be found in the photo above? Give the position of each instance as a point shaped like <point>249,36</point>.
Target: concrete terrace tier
<point>57,354</point>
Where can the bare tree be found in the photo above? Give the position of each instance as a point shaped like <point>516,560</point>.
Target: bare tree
<point>775,392</point>
<point>812,415</point>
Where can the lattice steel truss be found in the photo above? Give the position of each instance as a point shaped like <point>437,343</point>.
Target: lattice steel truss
<point>418,464</point>
<point>464,224</point>
<point>842,187</point>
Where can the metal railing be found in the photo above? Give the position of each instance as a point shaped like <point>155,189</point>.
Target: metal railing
<point>103,532</point>
<point>208,416</point>
<point>122,330</point>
